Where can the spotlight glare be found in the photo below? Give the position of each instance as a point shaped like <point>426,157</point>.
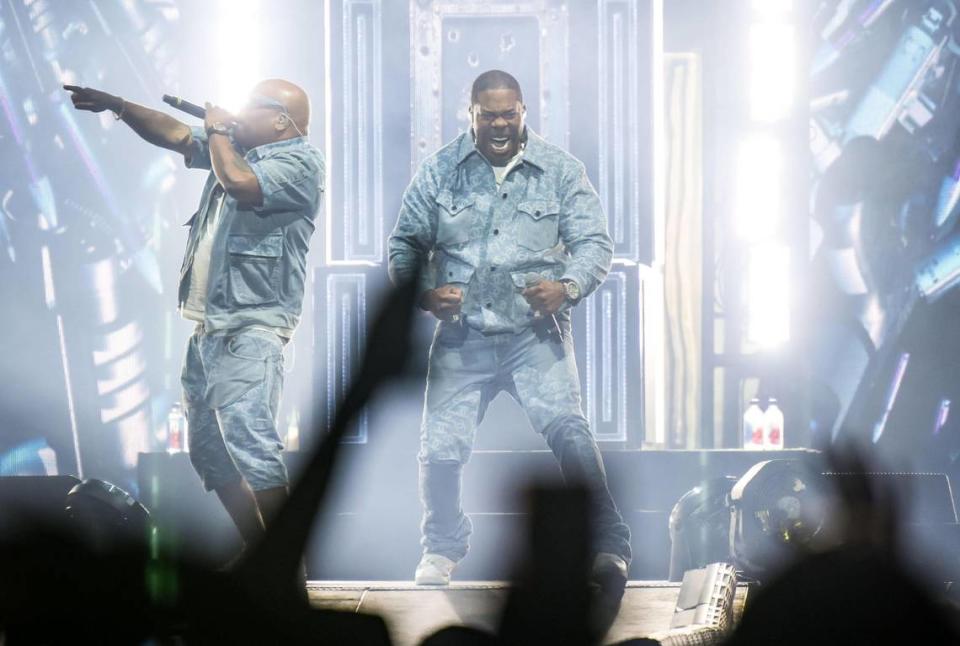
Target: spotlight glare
<point>759,170</point>
<point>772,68</point>
<point>772,7</point>
<point>238,50</point>
<point>768,295</point>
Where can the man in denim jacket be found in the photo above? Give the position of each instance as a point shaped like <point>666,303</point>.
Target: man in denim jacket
<point>242,281</point>
<point>510,235</point>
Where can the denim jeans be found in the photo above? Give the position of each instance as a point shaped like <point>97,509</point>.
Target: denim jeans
<point>467,369</point>
<point>231,391</point>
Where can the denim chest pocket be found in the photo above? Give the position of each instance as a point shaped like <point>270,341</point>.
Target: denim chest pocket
<point>538,224</point>
<point>254,268</point>
<point>455,215</point>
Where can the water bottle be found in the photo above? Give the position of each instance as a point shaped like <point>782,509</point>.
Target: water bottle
<point>176,429</point>
<point>773,426</point>
<point>753,419</point>
<point>292,442</point>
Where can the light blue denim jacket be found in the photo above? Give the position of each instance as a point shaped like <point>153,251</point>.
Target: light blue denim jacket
<point>545,218</point>
<point>259,257</point>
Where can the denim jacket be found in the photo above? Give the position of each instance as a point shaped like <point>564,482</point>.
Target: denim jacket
<point>461,229</point>
<point>258,261</point>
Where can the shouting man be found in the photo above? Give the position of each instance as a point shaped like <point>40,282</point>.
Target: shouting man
<point>242,281</point>
<point>511,235</point>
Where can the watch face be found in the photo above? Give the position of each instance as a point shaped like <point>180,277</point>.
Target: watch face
<point>573,290</point>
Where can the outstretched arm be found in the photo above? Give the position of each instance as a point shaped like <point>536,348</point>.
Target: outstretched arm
<point>155,127</point>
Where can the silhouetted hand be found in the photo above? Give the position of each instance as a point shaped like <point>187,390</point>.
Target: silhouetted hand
<point>91,100</point>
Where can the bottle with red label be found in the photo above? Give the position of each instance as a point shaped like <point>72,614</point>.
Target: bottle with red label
<point>773,426</point>
<point>176,429</point>
<point>753,426</point>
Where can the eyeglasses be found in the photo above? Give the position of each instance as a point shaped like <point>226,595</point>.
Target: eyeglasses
<point>262,101</point>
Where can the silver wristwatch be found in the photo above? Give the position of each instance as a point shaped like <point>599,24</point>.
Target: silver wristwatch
<point>218,129</point>
<point>573,291</point>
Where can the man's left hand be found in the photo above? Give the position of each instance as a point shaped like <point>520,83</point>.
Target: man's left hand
<point>546,297</point>
<point>215,115</point>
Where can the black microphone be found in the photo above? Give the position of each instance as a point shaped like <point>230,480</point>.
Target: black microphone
<point>190,108</point>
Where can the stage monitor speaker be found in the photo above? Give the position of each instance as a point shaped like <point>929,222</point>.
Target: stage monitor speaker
<point>32,498</point>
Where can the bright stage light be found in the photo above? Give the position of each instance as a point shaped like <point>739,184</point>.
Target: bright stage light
<point>768,295</point>
<point>238,50</point>
<point>758,201</point>
<point>772,7</point>
<point>772,69</point>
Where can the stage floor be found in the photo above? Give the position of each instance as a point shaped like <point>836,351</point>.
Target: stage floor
<point>414,612</point>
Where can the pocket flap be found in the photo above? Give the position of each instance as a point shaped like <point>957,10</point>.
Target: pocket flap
<point>455,204</point>
<point>520,277</point>
<point>270,246</point>
<point>537,209</point>
<point>456,271</point>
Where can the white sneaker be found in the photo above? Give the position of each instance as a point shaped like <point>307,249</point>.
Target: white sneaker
<point>606,564</point>
<point>434,569</point>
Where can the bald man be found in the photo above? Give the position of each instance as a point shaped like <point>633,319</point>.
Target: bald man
<point>242,280</point>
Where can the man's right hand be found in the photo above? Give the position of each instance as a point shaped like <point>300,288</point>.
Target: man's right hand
<point>86,98</point>
<point>443,302</point>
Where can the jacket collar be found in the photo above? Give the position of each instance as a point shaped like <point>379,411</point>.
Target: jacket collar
<point>533,151</point>
<point>265,150</point>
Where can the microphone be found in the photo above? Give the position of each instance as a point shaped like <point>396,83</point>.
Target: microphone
<point>190,108</point>
<point>532,280</point>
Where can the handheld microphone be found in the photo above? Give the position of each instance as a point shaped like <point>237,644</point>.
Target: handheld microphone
<point>531,280</point>
<point>190,108</point>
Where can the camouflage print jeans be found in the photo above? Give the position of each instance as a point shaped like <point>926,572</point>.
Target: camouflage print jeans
<point>231,391</point>
<point>467,369</point>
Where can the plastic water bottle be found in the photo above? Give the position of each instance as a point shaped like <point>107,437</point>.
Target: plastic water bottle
<point>753,424</point>
<point>176,429</point>
<point>773,426</point>
<point>292,442</point>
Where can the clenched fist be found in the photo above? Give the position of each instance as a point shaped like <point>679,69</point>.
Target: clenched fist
<point>546,297</point>
<point>443,302</point>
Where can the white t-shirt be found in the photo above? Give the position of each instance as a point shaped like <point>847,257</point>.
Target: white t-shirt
<point>501,171</point>
<point>196,305</point>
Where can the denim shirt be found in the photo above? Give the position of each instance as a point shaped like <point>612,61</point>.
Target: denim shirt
<point>461,229</point>
<point>259,257</point>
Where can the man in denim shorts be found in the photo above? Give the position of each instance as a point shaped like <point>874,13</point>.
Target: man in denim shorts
<point>510,235</point>
<point>242,281</point>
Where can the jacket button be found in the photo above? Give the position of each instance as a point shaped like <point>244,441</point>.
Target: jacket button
<point>537,213</point>
<point>504,196</point>
<point>450,273</point>
<point>489,304</point>
<point>493,269</point>
<point>496,232</point>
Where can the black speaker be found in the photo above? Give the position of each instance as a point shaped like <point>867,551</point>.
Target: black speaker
<point>33,498</point>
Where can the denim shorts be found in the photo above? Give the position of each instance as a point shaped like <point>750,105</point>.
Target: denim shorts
<point>231,391</point>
